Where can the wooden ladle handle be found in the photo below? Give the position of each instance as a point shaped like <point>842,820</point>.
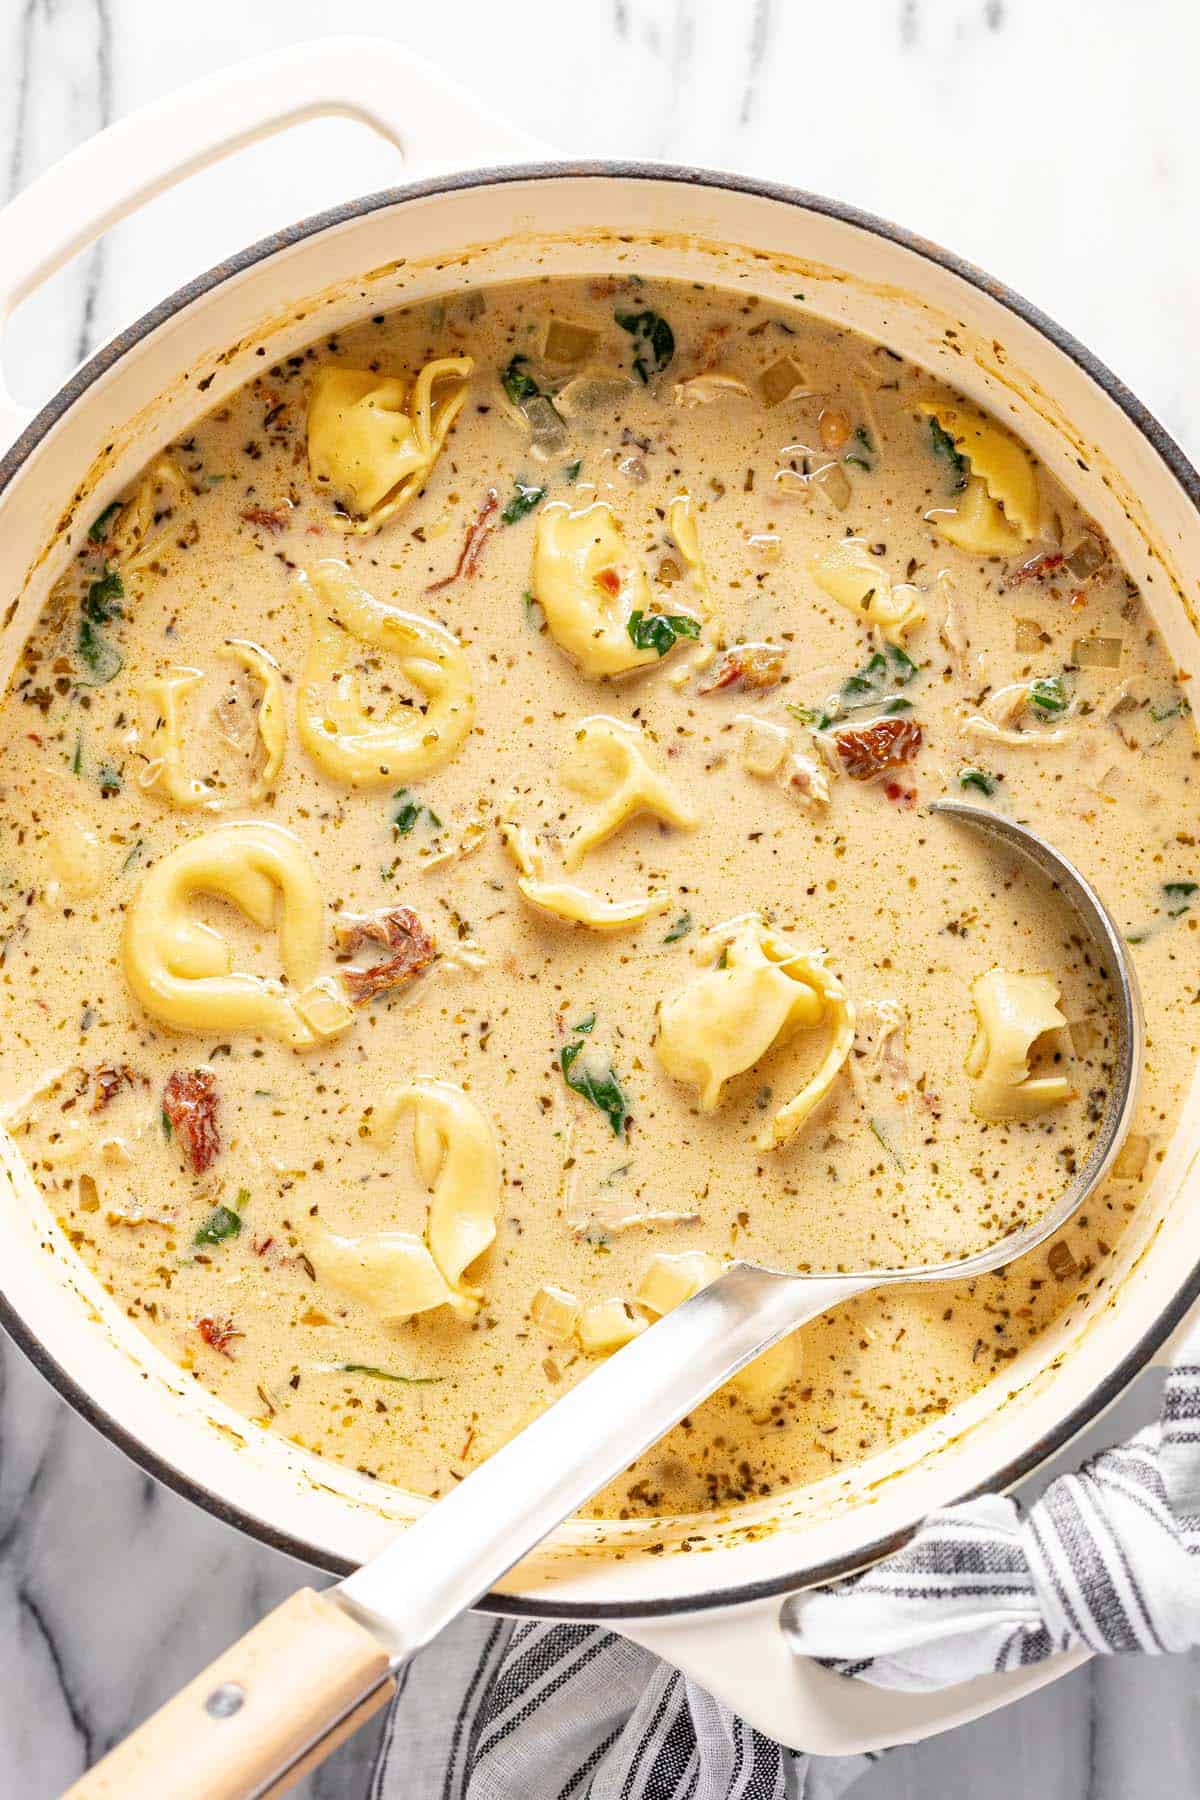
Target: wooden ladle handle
<point>259,1717</point>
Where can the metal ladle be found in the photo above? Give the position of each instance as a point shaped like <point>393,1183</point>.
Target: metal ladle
<point>468,1540</point>
<point>306,1675</point>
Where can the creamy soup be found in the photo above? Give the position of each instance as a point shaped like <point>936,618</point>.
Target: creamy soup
<point>468,874</point>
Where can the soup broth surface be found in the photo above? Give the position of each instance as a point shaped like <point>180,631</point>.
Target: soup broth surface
<point>1033,681</point>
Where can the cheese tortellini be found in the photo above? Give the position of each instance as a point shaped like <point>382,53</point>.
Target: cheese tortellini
<point>399,1274</point>
<point>609,763</point>
<point>182,971</point>
<point>140,529</point>
<point>1013,1012</point>
<point>458,1160</point>
<point>389,1272</point>
<point>165,772</point>
<point>849,574</point>
<point>999,508</point>
<point>373,439</point>
<point>589,584</point>
<point>764,990</point>
<point>376,749</point>
<point>564,899</point>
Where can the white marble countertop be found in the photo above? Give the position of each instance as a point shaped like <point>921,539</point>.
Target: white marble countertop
<point>1050,141</point>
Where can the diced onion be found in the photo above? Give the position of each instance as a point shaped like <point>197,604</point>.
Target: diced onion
<point>567,342</point>
<point>1097,652</point>
<point>549,432</point>
<point>1028,636</point>
<point>780,380</point>
<point>834,485</point>
<point>1088,555</point>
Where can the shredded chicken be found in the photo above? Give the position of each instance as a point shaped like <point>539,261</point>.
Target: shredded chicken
<point>806,780</point>
<point>878,1045</point>
<point>400,931</point>
<point>953,630</point>
<point>631,1221</point>
<point>993,721</point>
<point>713,384</point>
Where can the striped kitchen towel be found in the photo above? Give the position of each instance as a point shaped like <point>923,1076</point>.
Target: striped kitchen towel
<point>496,1710</point>
<point>1106,1560</point>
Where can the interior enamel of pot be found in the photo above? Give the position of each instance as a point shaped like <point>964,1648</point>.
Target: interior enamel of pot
<point>995,358</point>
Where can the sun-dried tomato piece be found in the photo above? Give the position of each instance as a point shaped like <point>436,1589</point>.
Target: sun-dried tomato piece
<point>747,666</point>
<point>218,1334</point>
<point>107,1084</point>
<point>477,536</point>
<point>271,518</point>
<point>398,930</point>
<point>609,580</point>
<point>899,795</point>
<point>866,750</point>
<point>190,1102</point>
<point>1036,568</point>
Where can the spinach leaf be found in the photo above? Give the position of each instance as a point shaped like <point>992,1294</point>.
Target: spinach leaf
<point>943,445</point>
<point>977,778</point>
<point>522,502</point>
<point>1178,896</point>
<point>586,1024</point>
<point>679,929</point>
<point>571,472</point>
<point>889,669</point>
<point>1048,694</point>
<point>603,1091</point>
<point>881,1135</point>
<point>517,384</point>
<point>221,1223</point>
<point>410,812</point>
<point>654,341</point>
<point>661,631</point>
<point>100,601</point>
<point>387,1375</point>
<point>100,524</point>
<point>96,654</point>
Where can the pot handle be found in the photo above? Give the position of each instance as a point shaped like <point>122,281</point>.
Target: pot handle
<point>432,122</point>
<point>741,1657</point>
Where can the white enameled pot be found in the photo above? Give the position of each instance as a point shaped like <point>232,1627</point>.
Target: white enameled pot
<point>711,1604</point>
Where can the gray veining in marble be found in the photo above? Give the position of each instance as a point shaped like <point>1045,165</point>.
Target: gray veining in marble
<point>1051,140</point>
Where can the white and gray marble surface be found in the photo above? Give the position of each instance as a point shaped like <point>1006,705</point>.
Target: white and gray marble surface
<point>1053,141</point>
